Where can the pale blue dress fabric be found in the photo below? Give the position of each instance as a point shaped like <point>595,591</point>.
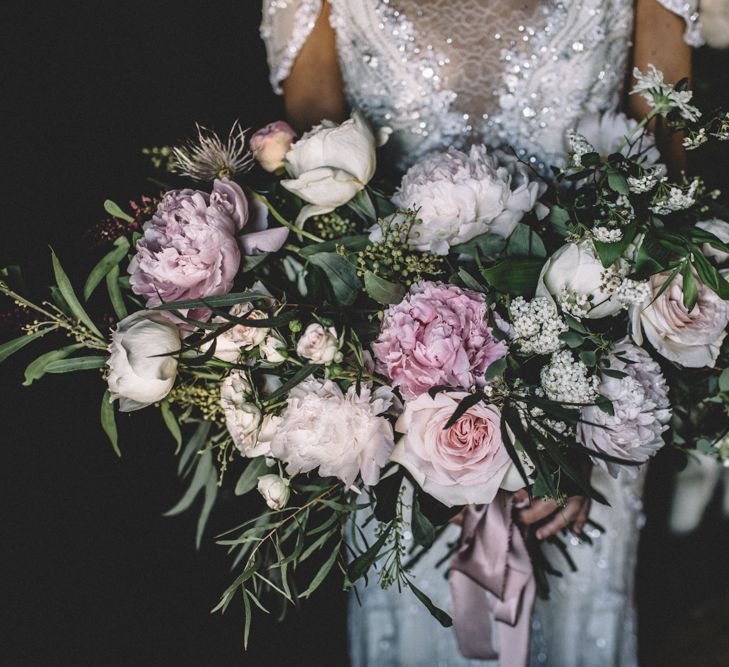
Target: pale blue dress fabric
<point>514,73</point>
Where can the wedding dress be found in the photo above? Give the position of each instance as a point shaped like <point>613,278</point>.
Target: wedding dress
<point>518,74</point>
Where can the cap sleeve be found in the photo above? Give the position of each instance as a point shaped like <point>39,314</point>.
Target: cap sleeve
<point>688,10</point>
<point>285,27</point>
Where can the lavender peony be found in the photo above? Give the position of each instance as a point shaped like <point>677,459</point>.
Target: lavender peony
<point>437,335</point>
<point>459,196</point>
<point>191,247</point>
<point>641,406</point>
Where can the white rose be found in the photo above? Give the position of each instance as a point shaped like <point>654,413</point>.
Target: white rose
<point>230,343</point>
<point>692,339</point>
<point>275,491</point>
<point>319,345</point>
<point>573,276</point>
<point>139,373</point>
<point>330,164</point>
<point>720,229</point>
<point>459,196</point>
<point>242,418</point>
<point>273,349</point>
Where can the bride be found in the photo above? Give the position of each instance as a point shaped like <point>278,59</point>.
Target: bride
<point>513,73</point>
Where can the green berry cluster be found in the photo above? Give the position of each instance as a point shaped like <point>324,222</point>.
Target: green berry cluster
<point>333,226</point>
<point>393,258</point>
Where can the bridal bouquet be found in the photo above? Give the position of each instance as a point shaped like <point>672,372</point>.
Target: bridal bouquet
<point>315,336</point>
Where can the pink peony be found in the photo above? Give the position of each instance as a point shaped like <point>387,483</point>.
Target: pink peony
<point>437,335</point>
<point>191,247</point>
<point>271,143</point>
<point>465,464</point>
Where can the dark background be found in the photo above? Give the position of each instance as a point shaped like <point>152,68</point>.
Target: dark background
<point>94,574</point>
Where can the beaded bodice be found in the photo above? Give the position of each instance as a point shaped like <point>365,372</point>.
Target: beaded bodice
<point>511,73</point>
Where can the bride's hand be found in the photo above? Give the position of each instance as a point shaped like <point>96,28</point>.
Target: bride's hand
<point>553,516</point>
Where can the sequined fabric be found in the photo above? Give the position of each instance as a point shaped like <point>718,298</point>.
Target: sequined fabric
<point>516,74</point>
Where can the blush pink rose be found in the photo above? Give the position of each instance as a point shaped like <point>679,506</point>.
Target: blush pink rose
<point>270,144</point>
<point>692,339</point>
<point>465,464</point>
<point>191,248</point>
<point>437,335</point>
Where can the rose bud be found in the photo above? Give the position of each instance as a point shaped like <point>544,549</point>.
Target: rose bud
<point>271,143</point>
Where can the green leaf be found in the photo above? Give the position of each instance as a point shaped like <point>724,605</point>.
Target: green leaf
<point>115,211</point>
<point>618,375</point>
<point>481,247</point>
<point>171,423</point>
<point>525,242</point>
<point>588,357</point>
<point>436,612</point>
<point>321,574</point>
<point>423,529</point>
<point>12,346</point>
<point>37,369</point>
<point>359,566</point>
<point>559,218</point>
<point>618,183</point>
<point>463,407</point>
<point>108,422</point>
<point>299,376</point>
<point>74,305</point>
<point>710,276</point>
<point>351,243</point>
<point>194,445</point>
<point>249,478</point>
<point>59,301</point>
<point>724,380</point>
<point>469,281</point>
<point>690,288</point>
<point>572,338</point>
<point>105,264</point>
<point>609,253</point>
<point>514,276</point>
<point>219,301</point>
<point>76,364</point>
<point>606,405</point>
<point>362,205</point>
<point>115,293</point>
<point>250,262</point>
<point>386,493</point>
<point>381,290</point>
<point>341,273</point>
<point>495,370</point>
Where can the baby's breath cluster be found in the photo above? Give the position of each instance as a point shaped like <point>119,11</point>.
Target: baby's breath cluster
<point>567,380</point>
<point>537,325</point>
<point>332,226</point>
<point>675,198</point>
<point>648,180</point>
<point>390,255</point>
<point>575,303</point>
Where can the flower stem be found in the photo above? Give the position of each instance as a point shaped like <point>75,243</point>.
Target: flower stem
<point>279,218</point>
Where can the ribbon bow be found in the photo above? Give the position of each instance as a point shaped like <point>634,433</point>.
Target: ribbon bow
<point>492,557</point>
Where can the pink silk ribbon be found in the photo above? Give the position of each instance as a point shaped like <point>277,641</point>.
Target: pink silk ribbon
<point>492,556</point>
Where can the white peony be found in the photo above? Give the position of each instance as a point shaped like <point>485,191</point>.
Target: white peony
<point>720,229</point>
<point>574,277</point>
<point>230,343</point>
<point>330,164</point>
<point>692,339</point>
<point>641,406</point>
<point>141,370</point>
<point>319,345</point>
<point>459,196</point>
<point>340,434</point>
<point>607,131</point>
<point>250,431</point>
<point>275,491</point>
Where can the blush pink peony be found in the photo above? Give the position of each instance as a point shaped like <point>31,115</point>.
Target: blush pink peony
<point>465,464</point>
<point>437,335</point>
<point>191,248</point>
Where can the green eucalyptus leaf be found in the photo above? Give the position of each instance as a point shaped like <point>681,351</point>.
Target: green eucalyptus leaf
<point>76,364</point>
<point>249,477</point>
<point>351,243</point>
<point>423,529</point>
<point>321,574</point>
<point>74,305</point>
<point>690,288</point>
<point>436,612</point>
<point>381,290</point>
<point>495,369</point>
<point>12,346</point>
<point>114,210</point>
<point>171,423</point>
<point>108,422</point>
<point>341,273</point>
<point>37,369</point>
<point>115,294</point>
<point>105,264</point>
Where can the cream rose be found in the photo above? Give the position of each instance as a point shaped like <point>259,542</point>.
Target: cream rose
<point>141,369</point>
<point>275,491</point>
<point>465,464</point>
<point>230,343</point>
<point>692,339</point>
<point>273,349</point>
<point>319,345</point>
<point>330,164</point>
<point>270,144</point>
